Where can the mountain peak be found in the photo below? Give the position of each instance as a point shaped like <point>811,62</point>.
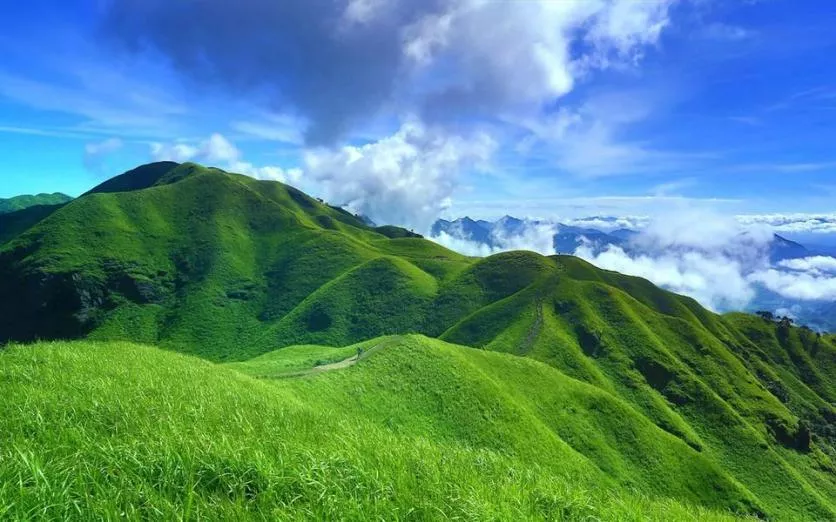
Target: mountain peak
<point>142,177</point>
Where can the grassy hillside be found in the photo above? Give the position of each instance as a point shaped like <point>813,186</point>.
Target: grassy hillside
<point>12,224</point>
<point>639,387</point>
<point>22,202</point>
<point>20,213</point>
<point>206,262</point>
<point>107,430</point>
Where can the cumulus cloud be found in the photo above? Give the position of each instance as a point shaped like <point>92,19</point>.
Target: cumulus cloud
<point>407,178</point>
<point>218,150</point>
<point>306,55</point>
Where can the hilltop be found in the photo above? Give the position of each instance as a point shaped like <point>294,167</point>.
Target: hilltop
<point>23,202</point>
<point>545,358</point>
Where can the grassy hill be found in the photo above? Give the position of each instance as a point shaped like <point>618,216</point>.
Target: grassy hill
<point>576,371</point>
<point>116,429</point>
<point>20,213</point>
<point>22,202</point>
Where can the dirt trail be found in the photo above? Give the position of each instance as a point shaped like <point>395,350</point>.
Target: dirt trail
<point>534,331</point>
<point>339,365</point>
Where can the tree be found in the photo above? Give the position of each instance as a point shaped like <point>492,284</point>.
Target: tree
<point>766,316</point>
<point>785,322</point>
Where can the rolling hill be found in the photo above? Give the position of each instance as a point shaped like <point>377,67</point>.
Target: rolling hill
<point>26,201</point>
<point>562,378</point>
<point>120,430</point>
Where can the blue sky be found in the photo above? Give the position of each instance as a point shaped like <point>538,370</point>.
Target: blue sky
<point>410,110</point>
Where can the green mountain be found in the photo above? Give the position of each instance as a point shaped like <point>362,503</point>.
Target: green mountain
<point>541,387</point>
<point>22,212</point>
<point>22,202</point>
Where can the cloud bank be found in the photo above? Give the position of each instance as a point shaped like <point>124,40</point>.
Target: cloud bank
<point>721,262</point>
<point>726,263</point>
<point>534,237</point>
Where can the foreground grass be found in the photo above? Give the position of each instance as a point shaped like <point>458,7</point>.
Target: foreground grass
<point>91,430</point>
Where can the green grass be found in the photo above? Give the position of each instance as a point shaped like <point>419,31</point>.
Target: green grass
<point>580,372</point>
<point>115,430</point>
<point>292,360</point>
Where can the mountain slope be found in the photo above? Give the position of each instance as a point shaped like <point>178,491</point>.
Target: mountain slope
<point>22,212</point>
<point>229,268</point>
<point>201,260</point>
<point>135,432</point>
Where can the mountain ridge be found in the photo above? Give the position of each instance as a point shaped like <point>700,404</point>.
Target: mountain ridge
<point>228,268</point>
<point>23,202</point>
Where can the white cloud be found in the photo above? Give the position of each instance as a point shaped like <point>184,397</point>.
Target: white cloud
<point>536,237</point>
<point>407,178</point>
<point>627,26</point>
<point>439,58</point>
<point>705,231</point>
<point>269,172</point>
<point>798,285</point>
<point>588,140</point>
<point>693,252</point>
<point>720,261</point>
<point>281,128</point>
<point>723,261</point>
<point>714,280</point>
<point>178,152</point>
<point>815,264</point>
<point>609,223</point>
<point>217,150</point>
<point>794,222</point>
<point>463,246</point>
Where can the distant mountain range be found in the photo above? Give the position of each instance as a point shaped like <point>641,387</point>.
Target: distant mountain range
<point>567,238</point>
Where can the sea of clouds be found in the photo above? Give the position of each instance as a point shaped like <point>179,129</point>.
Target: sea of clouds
<point>723,262</point>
